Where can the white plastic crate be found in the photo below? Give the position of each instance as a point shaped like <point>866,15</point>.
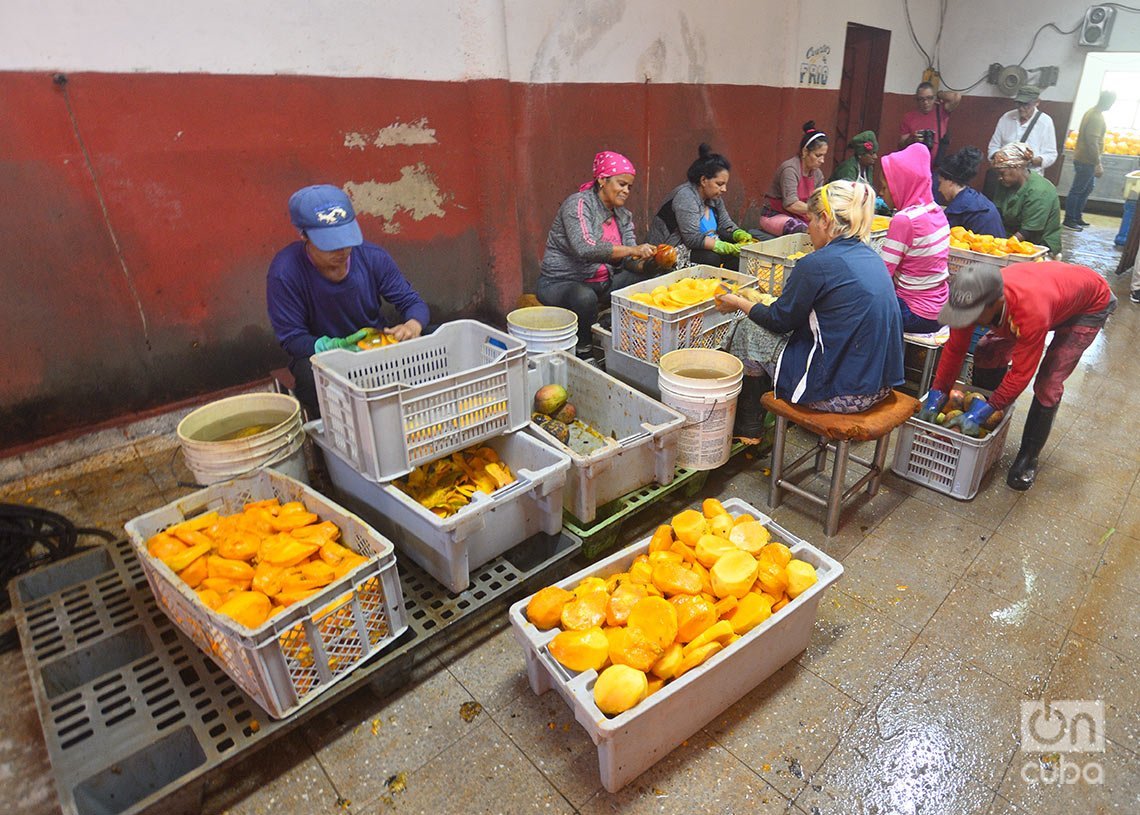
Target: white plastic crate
<point>768,260</point>
<point>296,654</point>
<point>389,409</point>
<point>632,742</point>
<point>944,459</point>
<point>637,373</point>
<point>960,258</point>
<point>647,332</point>
<point>640,434</point>
<point>450,548</point>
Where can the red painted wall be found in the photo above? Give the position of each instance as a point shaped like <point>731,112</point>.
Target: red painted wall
<point>161,198</point>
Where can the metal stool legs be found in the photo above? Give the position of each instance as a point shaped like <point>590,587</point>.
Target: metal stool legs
<point>781,484</point>
<point>835,492</point>
<point>775,495</point>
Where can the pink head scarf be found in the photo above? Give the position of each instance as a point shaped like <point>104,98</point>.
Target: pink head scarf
<point>606,164</point>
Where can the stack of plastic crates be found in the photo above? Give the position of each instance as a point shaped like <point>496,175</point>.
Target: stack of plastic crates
<point>647,332</point>
<point>388,410</point>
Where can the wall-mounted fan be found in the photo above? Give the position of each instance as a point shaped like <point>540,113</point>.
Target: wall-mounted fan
<point>1010,78</point>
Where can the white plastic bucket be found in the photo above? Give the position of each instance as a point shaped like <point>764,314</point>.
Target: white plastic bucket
<point>544,328</point>
<point>279,445</point>
<point>703,385</point>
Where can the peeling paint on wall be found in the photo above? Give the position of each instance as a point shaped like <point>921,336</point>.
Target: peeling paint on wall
<point>397,133</point>
<point>416,193</point>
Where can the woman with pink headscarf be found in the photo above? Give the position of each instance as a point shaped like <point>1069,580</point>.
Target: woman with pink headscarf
<point>591,249</point>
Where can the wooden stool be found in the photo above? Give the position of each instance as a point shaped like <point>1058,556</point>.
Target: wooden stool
<point>836,431</point>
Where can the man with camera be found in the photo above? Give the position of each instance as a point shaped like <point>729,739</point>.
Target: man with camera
<point>930,121</point>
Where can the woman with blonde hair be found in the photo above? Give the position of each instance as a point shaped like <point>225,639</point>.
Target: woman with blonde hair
<point>832,340</point>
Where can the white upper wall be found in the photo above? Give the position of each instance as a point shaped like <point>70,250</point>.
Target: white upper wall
<point>540,41</point>
<point>1007,31</point>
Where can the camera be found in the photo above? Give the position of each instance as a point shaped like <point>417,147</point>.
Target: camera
<point>927,138</point>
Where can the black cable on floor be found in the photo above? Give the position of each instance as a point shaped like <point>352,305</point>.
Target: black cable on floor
<point>31,537</point>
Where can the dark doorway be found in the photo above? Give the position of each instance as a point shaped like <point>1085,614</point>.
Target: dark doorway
<point>861,92</point>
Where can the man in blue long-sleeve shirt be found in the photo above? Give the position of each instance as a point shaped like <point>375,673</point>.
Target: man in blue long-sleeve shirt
<point>324,289</point>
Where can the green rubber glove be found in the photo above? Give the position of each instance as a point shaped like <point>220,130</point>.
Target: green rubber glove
<point>347,343</point>
<point>741,235</point>
<point>726,248</point>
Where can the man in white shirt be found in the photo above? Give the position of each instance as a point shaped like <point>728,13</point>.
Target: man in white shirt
<point>1014,126</point>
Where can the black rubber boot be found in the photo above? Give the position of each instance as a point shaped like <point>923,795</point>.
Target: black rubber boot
<point>1038,423</point>
<point>749,422</point>
<point>988,378</point>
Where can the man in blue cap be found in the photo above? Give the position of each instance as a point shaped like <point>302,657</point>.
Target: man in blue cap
<point>325,290</point>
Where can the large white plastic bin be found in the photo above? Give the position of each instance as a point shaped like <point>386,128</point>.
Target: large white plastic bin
<point>637,373</point>
<point>632,742</point>
<point>387,410</point>
<point>295,655</point>
<point>450,548</point>
<point>648,332</point>
<point>642,434</point>
<point>961,258</point>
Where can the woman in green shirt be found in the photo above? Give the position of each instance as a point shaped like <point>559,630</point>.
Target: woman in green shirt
<point>1029,206</point>
<point>860,165</point>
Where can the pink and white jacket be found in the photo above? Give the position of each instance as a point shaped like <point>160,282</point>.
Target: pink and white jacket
<point>918,239</point>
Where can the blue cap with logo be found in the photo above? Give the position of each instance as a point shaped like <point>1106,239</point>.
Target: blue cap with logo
<point>325,214</point>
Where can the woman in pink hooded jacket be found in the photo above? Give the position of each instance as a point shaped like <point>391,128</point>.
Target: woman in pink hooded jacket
<point>918,240</point>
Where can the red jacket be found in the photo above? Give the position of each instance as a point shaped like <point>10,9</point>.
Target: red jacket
<point>1038,298</point>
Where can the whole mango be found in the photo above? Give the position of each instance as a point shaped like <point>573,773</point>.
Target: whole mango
<point>567,413</point>
<point>549,399</point>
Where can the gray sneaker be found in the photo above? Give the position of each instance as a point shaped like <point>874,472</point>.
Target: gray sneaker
<point>1134,296</point>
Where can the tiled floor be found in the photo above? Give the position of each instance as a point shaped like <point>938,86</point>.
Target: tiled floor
<point>907,700</point>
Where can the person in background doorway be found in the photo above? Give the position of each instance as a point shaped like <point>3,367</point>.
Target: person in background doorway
<point>1028,125</point>
<point>785,208</point>
<point>832,340</point>
<point>1020,304</point>
<point>918,240</point>
<point>965,206</point>
<point>324,290</point>
<point>1028,203</point>
<point>591,249</point>
<point>929,122</point>
<point>1086,161</point>
<point>860,165</point>
<point>694,214</point>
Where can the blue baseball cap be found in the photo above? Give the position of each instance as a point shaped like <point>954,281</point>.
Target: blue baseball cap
<point>325,214</point>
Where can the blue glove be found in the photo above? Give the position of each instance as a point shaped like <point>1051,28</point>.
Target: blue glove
<point>881,205</point>
<point>932,405</point>
<point>726,248</point>
<point>741,236</point>
<point>347,343</point>
<point>972,420</point>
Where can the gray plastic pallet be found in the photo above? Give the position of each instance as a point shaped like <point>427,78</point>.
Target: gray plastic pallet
<point>136,717</point>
